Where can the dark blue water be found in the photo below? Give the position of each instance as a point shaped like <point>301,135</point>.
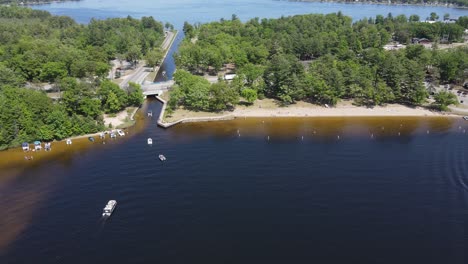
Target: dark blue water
<point>221,198</point>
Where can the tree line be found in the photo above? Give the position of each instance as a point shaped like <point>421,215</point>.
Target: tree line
<point>459,3</point>
<point>37,48</point>
<point>321,59</point>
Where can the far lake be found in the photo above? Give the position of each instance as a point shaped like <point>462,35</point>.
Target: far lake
<point>255,190</point>
<point>178,11</point>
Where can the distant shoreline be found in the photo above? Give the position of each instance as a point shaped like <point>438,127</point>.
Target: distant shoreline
<point>380,3</point>
<point>21,3</point>
<point>44,2</point>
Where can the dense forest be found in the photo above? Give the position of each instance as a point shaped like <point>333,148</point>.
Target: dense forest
<point>38,48</point>
<point>316,58</point>
<point>460,3</point>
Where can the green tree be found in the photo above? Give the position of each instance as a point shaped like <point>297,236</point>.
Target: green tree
<point>414,18</point>
<point>9,77</point>
<point>112,104</point>
<point>154,57</point>
<point>443,99</point>
<point>135,94</point>
<point>90,107</point>
<point>188,29</point>
<point>104,93</point>
<point>250,95</point>
<point>133,54</point>
<point>52,71</point>
<point>101,69</point>
<point>222,96</point>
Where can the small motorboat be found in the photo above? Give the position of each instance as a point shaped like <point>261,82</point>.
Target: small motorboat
<point>102,135</point>
<point>69,141</point>
<point>150,113</point>
<point>25,146</point>
<point>466,118</point>
<point>120,132</point>
<point>150,141</point>
<point>109,208</point>
<point>91,139</point>
<point>161,157</point>
<point>112,135</point>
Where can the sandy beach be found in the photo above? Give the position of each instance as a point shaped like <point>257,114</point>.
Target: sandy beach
<point>344,108</point>
<point>122,119</point>
<point>270,108</point>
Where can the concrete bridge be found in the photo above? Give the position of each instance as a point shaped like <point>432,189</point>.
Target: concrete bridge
<point>156,88</point>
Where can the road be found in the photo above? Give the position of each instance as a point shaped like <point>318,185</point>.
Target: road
<point>140,73</point>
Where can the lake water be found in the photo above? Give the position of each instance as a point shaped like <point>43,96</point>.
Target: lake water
<point>388,190</point>
<point>300,190</point>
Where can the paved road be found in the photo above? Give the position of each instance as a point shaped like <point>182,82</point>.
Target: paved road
<point>141,72</point>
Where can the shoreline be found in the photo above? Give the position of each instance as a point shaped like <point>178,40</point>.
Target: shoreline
<point>268,108</point>
<point>381,3</point>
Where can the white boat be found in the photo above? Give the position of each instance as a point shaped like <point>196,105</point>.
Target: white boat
<point>25,146</point>
<point>120,132</point>
<point>47,146</point>
<point>150,141</point>
<point>109,208</point>
<point>466,118</point>
<point>37,145</point>
<point>112,135</point>
<point>161,157</point>
<point>150,113</point>
<point>69,141</point>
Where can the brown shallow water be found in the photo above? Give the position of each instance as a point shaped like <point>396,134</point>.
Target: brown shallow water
<point>319,127</point>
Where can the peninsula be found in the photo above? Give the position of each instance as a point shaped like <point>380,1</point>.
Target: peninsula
<point>319,60</point>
